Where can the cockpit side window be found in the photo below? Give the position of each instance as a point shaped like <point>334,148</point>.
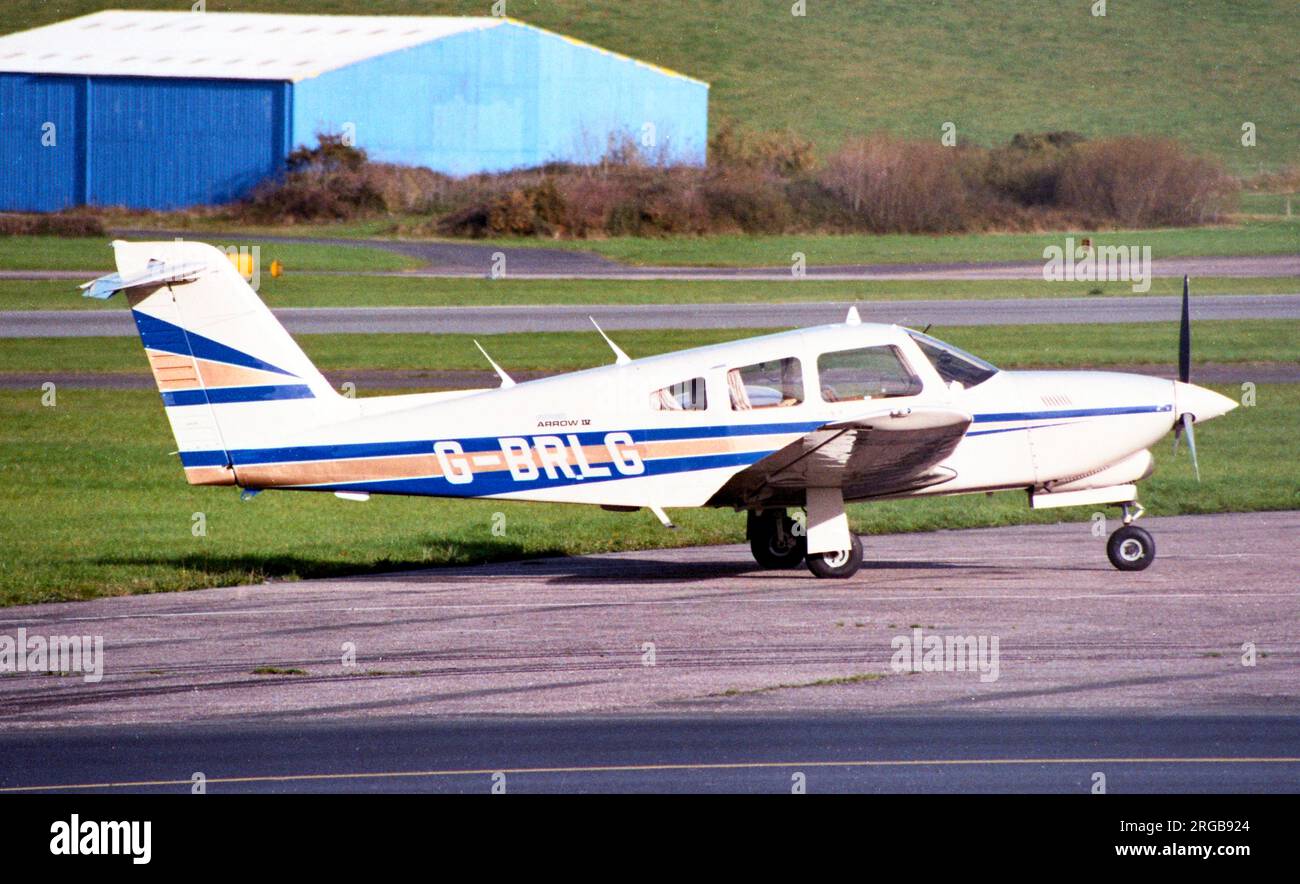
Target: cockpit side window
<point>776,383</point>
<point>684,396</point>
<point>865,373</point>
<point>954,364</point>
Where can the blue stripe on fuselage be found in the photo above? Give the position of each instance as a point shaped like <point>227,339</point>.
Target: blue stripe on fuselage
<point>501,481</point>
<point>348,451</point>
<point>260,456</point>
<point>225,395</point>
<point>998,417</point>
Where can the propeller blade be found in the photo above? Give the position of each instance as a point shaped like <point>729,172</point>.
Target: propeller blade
<point>1185,339</point>
<point>1191,443</point>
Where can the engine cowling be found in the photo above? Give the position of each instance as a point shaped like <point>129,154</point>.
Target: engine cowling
<point>1134,468</point>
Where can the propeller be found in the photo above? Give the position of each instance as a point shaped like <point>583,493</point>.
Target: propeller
<point>1185,421</point>
<point>1185,339</point>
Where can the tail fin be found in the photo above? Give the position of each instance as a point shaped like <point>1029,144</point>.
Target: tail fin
<point>229,374</point>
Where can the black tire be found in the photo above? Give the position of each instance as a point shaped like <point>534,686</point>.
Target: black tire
<point>837,566</point>
<point>773,541</point>
<point>1131,549</point>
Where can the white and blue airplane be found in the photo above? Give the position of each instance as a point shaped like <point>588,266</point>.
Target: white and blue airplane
<point>806,419</point>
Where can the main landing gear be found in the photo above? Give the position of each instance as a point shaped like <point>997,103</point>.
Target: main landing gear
<point>779,542</point>
<point>837,565</point>
<point>776,540</point>
<point>1131,548</point>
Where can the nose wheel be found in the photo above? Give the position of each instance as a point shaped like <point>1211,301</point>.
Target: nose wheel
<point>1131,548</point>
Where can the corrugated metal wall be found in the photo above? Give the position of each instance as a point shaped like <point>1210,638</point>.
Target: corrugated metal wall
<point>137,142</point>
<point>40,142</point>
<point>587,94</point>
<point>502,98</point>
<point>175,143</point>
<point>486,100</point>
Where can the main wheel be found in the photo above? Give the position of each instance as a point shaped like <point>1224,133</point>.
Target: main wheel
<point>774,541</point>
<point>837,565</point>
<point>1131,548</point>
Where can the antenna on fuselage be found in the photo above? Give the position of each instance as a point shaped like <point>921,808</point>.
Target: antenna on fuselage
<point>506,380</point>
<point>853,318</point>
<point>620,358</point>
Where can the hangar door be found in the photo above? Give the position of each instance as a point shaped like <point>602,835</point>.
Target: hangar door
<point>170,143</point>
<point>40,142</point>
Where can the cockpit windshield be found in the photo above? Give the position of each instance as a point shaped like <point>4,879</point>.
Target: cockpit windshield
<point>953,364</point>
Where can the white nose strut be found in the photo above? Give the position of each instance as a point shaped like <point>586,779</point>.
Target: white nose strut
<point>1200,403</point>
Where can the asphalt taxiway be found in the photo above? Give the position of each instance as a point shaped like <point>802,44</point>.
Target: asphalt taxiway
<point>568,318</point>
<point>819,753</point>
<point>692,670</point>
<point>703,629</point>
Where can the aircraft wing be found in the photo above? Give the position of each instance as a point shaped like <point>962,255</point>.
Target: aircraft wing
<point>882,452</point>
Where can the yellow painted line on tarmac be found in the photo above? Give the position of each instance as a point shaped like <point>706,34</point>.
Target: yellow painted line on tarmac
<point>651,768</point>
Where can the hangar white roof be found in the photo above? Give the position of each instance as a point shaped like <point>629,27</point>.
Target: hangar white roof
<point>226,45</point>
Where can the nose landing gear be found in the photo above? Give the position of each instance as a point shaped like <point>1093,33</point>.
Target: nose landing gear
<point>1131,548</point>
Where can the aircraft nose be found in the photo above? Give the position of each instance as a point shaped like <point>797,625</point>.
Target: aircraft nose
<point>1201,403</point>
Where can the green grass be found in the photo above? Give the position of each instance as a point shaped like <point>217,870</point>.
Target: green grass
<point>93,503</point>
<point>1271,204</point>
<point>96,256</point>
<point>1256,237</point>
<point>1247,340</point>
<point>1193,71</point>
<point>387,291</point>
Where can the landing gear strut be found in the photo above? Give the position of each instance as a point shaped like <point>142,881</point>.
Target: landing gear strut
<point>1131,548</point>
<point>775,539</point>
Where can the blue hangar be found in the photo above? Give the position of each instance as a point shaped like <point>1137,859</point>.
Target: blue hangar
<point>162,110</point>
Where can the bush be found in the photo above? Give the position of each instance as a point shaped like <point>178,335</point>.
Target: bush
<point>1144,182</point>
<point>887,185</point>
<point>747,201</point>
<point>330,181</point>
<point>1284,180</point>
<point>1028,169</point>
<point>782,154</point>
<point>771,183</point>
<point>58,224</point>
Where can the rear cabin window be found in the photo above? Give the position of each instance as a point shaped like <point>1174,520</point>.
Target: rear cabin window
<point>685,396</point>
<point>774,384</point>
<point>865,373</point>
